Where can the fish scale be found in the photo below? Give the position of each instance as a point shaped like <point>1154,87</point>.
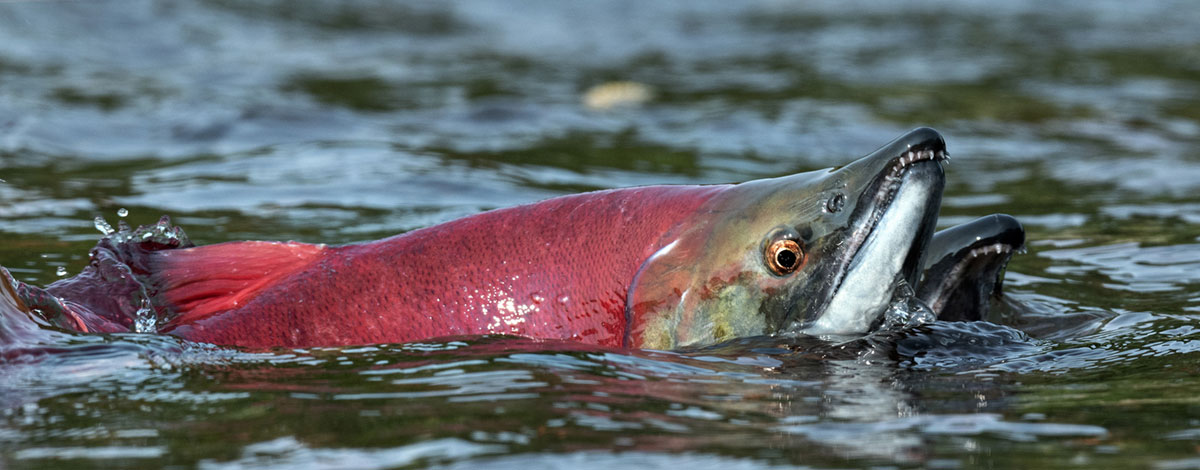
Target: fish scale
<point>477,275</point>
<point>659,267</point>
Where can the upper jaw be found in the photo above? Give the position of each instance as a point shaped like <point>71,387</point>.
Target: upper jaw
<point>891,224</point>
<point>918,165</point>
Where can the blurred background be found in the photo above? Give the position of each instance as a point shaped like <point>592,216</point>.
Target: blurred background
<point>339,121</point>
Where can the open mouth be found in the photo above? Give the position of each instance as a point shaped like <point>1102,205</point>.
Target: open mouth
<point>964,264</point>
<point>886,188</point>
<point>896,213</point>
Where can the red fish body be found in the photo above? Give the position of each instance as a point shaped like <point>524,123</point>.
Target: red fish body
<point>557,269</point>
<point>661,267</point>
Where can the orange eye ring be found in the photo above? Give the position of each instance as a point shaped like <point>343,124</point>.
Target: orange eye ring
<point>784,256</point>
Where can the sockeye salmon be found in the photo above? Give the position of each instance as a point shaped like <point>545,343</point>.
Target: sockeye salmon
<point>818,253</point>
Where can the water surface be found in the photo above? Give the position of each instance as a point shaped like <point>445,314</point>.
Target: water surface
<point>337,122</point>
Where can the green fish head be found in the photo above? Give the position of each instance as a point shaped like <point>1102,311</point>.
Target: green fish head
<point>819,252</point>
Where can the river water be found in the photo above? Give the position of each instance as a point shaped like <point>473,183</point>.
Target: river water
<point>325,121</point>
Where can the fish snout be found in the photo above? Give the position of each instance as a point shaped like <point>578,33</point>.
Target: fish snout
<point>895,195</point>
<point>894,158</point>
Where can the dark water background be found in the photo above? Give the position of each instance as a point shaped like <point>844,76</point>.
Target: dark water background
<point>344,121</point>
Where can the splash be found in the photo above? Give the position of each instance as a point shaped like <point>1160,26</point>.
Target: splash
<point>906,311</point>
<point>111,294</point>
<point>103,225</point>
<point>145,320</point>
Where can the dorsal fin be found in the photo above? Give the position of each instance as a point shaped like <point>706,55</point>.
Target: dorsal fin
<point>198,282</point>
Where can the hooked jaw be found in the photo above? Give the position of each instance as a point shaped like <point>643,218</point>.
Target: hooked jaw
<point>888,231</point>
<point>853,250</point>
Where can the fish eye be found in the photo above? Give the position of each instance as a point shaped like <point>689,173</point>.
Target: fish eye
<point>784,256</point>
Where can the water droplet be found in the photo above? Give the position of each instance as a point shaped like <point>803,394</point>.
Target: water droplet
<point>103,226</point>
<point>145,325</point>
<point>61,271</point>
<point>906,310</point>
<point>537,297</point>
<point>144,319</point>
<point>122,212</point>
<point>562,299</point>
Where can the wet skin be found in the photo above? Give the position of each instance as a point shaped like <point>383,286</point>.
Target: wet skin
<point>861,227</point>
<point>964,266</point>
<point>819,253</point>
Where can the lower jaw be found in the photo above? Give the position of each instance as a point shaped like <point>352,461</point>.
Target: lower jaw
<point>972,272</point>
<point>868,286</point>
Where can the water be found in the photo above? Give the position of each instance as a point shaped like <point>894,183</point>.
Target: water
<point>336,122</point>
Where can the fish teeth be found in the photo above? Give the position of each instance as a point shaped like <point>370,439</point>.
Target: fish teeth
<point>995,248</point>
<point>911,157</point>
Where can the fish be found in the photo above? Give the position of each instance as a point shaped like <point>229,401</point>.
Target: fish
<point>821,253</point>
<point>963,271</point>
